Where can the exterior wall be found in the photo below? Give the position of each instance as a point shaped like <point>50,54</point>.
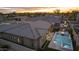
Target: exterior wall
<point>42,40</point>
<point>31,43</point>
<point>36,44</point>
<point>10,37</point>
<point>14,46</point>
<point>27,42</point>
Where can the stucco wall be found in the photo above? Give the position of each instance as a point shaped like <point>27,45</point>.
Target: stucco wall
<point>36,44</point>
<point>42,40</point>
<point>14,47</point>
<point>32,43</point>
<point>27,42</point>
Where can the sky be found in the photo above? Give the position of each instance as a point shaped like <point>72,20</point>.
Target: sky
<point>63,5</point>
<point>38,3</point>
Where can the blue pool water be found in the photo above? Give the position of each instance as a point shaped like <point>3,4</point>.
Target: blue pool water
<point>63,40</point>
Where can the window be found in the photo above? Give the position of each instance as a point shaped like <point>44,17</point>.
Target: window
<point>18,40</point>
<point>32,44</point>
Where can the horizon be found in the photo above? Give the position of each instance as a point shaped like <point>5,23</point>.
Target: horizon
<point>36,9</point>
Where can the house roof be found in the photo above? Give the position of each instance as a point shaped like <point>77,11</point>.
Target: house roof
<point>8,26</point>
<point>24,31</point>
<point>32,30</point>
<point>40,24</point>
<point>48,18</point>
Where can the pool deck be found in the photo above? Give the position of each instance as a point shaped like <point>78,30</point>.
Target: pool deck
<point>52,45</point>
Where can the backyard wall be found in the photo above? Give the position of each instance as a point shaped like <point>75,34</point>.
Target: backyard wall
<point>75,36</point>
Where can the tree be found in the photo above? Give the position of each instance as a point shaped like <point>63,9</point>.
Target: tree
<point>57,11</point>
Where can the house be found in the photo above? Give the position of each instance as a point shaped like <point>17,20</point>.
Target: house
<point>29,34</point>
<point>20,18</point>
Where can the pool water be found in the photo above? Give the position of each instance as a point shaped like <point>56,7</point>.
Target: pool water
<point>63,41</point>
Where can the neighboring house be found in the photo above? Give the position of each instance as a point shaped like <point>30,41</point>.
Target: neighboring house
<point>48,18</point>
<point>75,26</point>
<point>77,18</point>
<point>20,18</point>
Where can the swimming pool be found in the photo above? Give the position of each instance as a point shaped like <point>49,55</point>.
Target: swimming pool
<point>64,41</point>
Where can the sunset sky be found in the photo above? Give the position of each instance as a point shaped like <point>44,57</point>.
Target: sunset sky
<point>36,9</point>
<point>38,5</point>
